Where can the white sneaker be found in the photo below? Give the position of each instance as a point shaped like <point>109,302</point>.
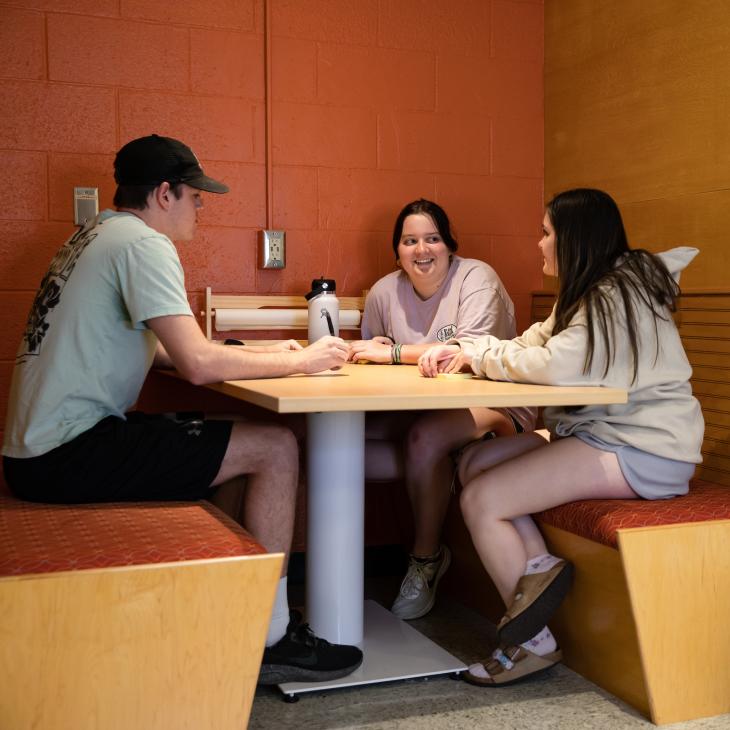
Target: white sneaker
<point>418,590</point>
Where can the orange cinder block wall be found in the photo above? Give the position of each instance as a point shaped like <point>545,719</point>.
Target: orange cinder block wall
<point>372,104</point>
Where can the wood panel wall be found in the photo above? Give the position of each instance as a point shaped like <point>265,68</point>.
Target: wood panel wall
<point>637,103</point>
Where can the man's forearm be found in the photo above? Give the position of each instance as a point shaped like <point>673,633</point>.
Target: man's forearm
<point>201,361</point>
<point>236,363</point>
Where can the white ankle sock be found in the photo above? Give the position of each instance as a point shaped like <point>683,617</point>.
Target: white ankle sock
<point>541,563</point>
<point>280,614</point>
<point>541,643</point>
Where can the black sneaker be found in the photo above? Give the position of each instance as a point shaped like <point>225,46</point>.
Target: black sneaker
<point>302,657</point>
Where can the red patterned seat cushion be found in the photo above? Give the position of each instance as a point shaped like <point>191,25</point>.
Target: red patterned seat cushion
<point>598,519</point>
<point>44,538</point>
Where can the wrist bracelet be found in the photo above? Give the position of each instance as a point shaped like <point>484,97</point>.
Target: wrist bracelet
<point>395,354</point>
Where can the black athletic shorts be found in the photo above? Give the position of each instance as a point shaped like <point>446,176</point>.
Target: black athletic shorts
<point>173,456</point>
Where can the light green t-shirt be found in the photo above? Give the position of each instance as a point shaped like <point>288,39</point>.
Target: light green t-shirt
<point>86,349</point>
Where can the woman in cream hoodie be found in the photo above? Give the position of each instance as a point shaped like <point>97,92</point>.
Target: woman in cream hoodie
<point>611,325</point>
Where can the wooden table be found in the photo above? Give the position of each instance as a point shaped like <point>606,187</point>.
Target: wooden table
<point>335,403</point>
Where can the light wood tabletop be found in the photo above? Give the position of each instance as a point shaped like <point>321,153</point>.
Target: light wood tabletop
<point>402,388</point>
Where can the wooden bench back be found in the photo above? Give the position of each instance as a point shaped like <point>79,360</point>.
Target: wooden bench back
<point>214,302</point>
<point>703,318</point>
<point>704,324</point>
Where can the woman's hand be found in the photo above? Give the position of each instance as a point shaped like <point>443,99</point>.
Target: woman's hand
<point>443,359</point>
<point>379,350</point>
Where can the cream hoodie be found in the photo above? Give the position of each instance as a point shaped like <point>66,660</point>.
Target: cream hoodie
<point>662,417</point>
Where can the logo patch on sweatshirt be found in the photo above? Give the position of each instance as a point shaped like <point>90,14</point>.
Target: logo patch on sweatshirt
<point>446,333</point>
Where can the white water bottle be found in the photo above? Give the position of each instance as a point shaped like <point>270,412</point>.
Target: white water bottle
<point>323,310</point>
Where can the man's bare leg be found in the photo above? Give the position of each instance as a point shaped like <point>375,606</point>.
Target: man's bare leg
<point>268,455</point>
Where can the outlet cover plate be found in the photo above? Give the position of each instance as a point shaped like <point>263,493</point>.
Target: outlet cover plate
<point>272,249</point>
<point>86,204</point>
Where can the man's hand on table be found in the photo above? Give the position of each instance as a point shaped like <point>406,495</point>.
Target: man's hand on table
<point>327,353</point>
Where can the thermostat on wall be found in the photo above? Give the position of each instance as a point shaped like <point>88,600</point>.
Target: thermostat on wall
<point>86,204</point>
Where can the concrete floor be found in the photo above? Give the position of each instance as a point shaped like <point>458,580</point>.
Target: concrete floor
<point>559,699</point>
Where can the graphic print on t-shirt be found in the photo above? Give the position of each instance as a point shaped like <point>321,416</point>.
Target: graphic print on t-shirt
<point>446,333</point>
<point>49,293</point>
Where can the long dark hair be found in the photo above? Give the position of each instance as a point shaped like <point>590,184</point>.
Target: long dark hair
<point>435,212</point>
<point>593,257</point>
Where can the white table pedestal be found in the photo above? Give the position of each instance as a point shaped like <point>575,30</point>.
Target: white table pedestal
<point>335,565</point>
<point>336,525</point>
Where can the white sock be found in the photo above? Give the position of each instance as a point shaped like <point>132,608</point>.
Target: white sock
<point>541,643</point>
<point>280,614</point>
<point>541,563</point>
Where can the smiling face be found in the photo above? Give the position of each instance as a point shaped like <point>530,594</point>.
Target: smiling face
<point>547,248</point>
<point>423,255</point>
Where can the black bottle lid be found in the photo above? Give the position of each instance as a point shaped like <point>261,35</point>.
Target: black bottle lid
<point>319,286</point>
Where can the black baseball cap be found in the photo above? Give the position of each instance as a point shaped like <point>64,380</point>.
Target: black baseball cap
<point>153,160</point>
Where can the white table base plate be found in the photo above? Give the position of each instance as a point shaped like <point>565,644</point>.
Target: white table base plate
<point>392,650</point>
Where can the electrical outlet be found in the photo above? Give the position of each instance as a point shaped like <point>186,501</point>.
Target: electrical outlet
<point>86,204</point>
<point>272,249</point>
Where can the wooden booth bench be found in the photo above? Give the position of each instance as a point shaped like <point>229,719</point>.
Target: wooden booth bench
<point>129,615</point>
<point>648,615</point>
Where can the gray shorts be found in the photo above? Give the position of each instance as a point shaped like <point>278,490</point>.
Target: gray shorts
<point>650,476</point>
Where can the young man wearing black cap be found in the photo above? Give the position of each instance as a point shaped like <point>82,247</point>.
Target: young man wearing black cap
<point>112,305</point>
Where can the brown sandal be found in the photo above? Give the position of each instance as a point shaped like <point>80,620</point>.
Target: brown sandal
<point>510,665</point>
<point>536,599</point>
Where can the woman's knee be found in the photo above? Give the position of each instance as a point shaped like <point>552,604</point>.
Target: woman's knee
<point>482,498</point>
<point>474,499</point>
<point>468,467</point>
<point>483,456</point>
<point>430,438</point>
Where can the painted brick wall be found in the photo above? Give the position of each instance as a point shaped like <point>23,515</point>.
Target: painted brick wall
<point>374,103</point>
